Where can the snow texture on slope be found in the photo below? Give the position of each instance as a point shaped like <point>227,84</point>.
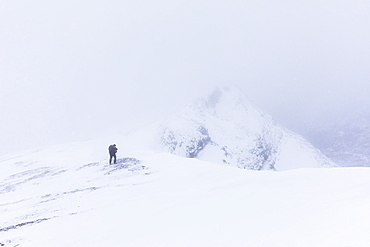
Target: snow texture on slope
<point>48,184</point>
<point>166,200</point>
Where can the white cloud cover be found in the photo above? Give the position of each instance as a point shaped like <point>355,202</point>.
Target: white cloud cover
<point>73,68</point>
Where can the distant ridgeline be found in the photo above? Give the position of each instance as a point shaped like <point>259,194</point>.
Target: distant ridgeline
<point>347,140</point>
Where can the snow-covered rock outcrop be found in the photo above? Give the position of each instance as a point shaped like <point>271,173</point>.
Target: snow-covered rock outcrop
<point>225,128</point>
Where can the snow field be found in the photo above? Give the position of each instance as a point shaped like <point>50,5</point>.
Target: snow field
<point>187,202</point>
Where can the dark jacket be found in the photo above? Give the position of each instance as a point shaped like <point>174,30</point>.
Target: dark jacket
<point>112,149</point>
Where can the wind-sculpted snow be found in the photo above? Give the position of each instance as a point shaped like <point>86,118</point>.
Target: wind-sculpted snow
<point>4,229</point>
<point>225,128</point>
<point>34,194</point>
<point>14,181</point>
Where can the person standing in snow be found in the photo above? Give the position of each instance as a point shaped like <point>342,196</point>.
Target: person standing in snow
<point>112,153</point>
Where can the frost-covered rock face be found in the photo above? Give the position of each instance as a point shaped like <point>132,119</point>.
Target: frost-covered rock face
<point>225,128</point>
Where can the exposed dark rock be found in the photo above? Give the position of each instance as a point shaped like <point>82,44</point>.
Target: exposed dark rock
<point>5,229</point>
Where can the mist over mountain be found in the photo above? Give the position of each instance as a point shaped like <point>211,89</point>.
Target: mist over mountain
<point>345,139</point>
<point>71,69</point>
<point>69,195</point>
<point>225,128</point>
<point>77,76</point>
<point>176,181</point>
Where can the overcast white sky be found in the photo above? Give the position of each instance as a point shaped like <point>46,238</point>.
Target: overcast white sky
<point>70,69</point>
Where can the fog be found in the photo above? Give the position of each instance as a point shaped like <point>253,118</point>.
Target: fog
<point>70,70</point>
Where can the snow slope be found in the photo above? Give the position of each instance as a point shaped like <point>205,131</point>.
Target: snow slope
<point>225,128</point>
<point>58,197</point>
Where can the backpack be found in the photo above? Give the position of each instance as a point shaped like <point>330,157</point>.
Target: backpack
<point>112,149</point>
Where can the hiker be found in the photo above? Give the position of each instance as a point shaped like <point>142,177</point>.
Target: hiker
<point>112,152</point>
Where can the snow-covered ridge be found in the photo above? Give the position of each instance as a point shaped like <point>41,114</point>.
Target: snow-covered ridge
<point>225,128</point>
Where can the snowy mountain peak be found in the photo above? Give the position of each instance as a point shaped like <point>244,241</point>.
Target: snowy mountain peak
<point>223,127</point>
<point>224,102</point>
<point>226,95</point>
